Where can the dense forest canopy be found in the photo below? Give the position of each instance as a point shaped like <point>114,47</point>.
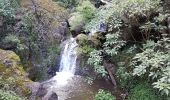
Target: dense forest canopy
<point>124,41</point>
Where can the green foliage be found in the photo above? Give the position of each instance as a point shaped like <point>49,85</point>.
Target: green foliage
<point>77,20</point>
<point>129,9</point>
<point>113,43</point>
<point>104,95</point>
<point>13,41</point>
<point>89,80</point>
<point>111,47</point>
<point>101,16</point>
<point>143,91</point>
<point>96,60</point>
<point>68,3</point>
<point>7,87</point>
<point>84,47</point>
<point>87,9</point>
<point>154,62</point>
<point>84,13</point>
<point>9,95</point>
<point>8,7</point>
<point>125,78</point>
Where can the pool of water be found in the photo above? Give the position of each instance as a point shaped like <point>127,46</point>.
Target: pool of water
<point>78,89</point>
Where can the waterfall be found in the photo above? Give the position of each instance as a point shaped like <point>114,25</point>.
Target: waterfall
<point>69,56</point>
<point>68,62</point>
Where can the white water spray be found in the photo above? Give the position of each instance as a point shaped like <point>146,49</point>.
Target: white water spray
<point>67,63</point>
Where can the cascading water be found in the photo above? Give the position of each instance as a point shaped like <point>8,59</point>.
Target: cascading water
<point>64,84</point>
<point>67,63</point>
<point>69,56</point>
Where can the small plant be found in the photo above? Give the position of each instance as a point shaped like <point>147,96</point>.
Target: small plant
<point>104,95</point>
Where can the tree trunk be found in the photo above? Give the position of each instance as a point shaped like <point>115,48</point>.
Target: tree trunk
<point>111,71</point>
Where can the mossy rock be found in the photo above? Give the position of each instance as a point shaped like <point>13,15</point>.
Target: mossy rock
<point>82,39</point>
<point>11,68</point>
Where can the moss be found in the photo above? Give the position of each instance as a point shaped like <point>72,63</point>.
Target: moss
<point>82,39</point>
<point>10,68</point>
<point>84,47</point>
<point>21,84</point>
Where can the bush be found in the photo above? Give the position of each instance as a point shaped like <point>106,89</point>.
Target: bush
<point>154,63</point>
<point>8,7</point>
<point>143,92</point>
<point>68,3</point>
<point>84,13</point>
<point>125,79</point>
<point>104,95</point>
<point>9,95</point>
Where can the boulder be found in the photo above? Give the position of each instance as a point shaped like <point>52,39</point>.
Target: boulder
<point>53,96</point>
<point>76,24</point>
<point>82,39</point>
<point>11,69</point>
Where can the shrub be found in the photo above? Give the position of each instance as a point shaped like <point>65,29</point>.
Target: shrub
<point>154,63</point>
<point>68,3</point>
<point>126,10</point>
<point>9,95</point>
<point>8,7</point>
<point>125,79</point>
<point>87,9</point>
<point>142,91</point>
<point>104,95</point>
<point>84,13</point>
<point>96,60</point>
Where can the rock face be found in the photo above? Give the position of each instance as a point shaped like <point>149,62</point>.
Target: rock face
<point>10,68</point>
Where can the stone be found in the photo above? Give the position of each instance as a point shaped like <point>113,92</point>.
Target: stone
<point>11,68</point>
<point>53,96</point>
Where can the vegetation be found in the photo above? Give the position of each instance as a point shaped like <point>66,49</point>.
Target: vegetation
<point>9,95</point>
<point>84,13</point>
<point>143,91</point>
<point>125,41</point>
<point>104,95</point>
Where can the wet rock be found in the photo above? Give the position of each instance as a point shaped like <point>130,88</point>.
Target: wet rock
<point>34,89</point>
<point>53,96</point>
<point>42,91</point>
<point>100,28</point>
<point>53,69</point>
